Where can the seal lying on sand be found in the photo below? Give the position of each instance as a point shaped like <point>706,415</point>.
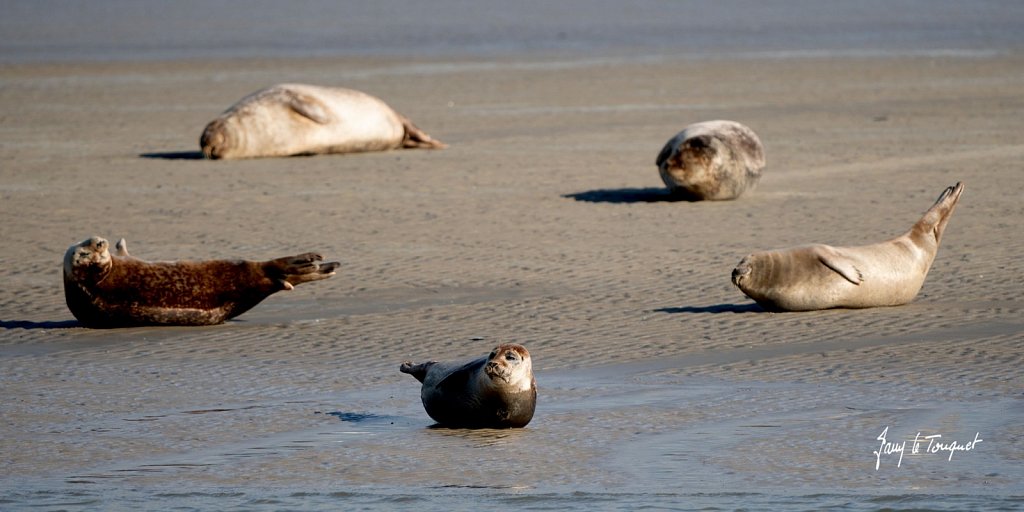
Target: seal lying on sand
<point>496,391</point>
<point>296,119</point>
<point>712,160</point>
<point>105,290</point>
<point>820,276</point>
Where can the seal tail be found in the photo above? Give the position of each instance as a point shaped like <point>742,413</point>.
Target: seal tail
<point>933,222</point>
<point>416,370</point>
<point>416,138</point>
<point>302,268</point>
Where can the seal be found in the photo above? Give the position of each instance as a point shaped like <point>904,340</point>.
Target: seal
<point>814,277</point>
<point>712,160</point>
<point>495,391</point>
<point>106,290</point>
<point>298,119</point>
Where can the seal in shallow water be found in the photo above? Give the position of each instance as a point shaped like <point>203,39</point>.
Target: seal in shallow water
<point>821,276</point>
<point>118,290</point>
<point>297,119</point>
<point>496,391</point>
<point>712,160</point>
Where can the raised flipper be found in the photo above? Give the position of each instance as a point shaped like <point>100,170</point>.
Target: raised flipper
<point>416,370</point>
<point>121,248</point>
<point>933,222</point>
<point>841,264</point>
<point>302,268</point>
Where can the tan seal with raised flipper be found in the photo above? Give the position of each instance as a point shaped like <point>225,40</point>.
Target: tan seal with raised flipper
<point>821,276</point>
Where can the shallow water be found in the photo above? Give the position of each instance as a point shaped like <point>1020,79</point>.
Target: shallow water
<point>613,437</point>
<point>33,30</point>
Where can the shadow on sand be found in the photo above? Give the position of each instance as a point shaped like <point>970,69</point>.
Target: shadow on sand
<point>25,324</point>
<point>717,308</point>
<point>629,195</point>
<point>175,155</point>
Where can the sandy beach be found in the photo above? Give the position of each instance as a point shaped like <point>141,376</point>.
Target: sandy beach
<point>544,223</point>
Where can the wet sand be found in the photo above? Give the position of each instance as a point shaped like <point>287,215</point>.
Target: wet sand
<point>545,223</point>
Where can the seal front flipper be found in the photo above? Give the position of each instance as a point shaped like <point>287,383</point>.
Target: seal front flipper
<point>841,264</point>
<point>121,248</point>
<point>416,370</point>
<point>309,107</point>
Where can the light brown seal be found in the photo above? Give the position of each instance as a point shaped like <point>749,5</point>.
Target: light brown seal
<point>496,391</point>
<point>118,290</point>
<point>297,119</point>
<point>821,277</point>
<point>712,160</point>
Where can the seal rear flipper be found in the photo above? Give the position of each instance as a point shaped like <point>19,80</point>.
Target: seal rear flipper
<point>416,138</point>
<point>416,370</point>
<point>841,264</point>
<point>301,268</point>
<point>933,222</point>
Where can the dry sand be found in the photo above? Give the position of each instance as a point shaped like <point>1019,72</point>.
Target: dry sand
<point>543,224</point>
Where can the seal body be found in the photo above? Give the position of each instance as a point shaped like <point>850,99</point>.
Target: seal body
<point>821,276</point>
<point>712,160</point>
<point>118,290</point>
<point>495,391</point>
<point>297,119</point>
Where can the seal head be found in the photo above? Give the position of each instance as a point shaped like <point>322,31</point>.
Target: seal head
<point>712,160</point>
<point>88,260</point>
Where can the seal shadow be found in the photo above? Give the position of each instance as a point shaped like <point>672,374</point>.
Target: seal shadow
<point>717,308</point>
<point>630,195</point>
<point>26,324</point>
<point>175,155</point>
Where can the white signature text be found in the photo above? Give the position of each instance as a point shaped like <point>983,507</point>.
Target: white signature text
<point>932,444</point>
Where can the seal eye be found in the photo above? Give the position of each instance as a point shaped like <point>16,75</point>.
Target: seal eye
<point>510,356</point>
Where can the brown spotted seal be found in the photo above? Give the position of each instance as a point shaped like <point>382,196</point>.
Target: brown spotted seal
<point>820,276</point>
<point>495,391</point>
<point>712,160</point>
<point>118,290</point>
<point>298,119</point>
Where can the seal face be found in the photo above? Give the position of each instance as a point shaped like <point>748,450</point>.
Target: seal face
<point>117,290</point>
<point>814,277</point>
<point>495,391</point>
<point>298,119</point>
<point>712,160</point>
